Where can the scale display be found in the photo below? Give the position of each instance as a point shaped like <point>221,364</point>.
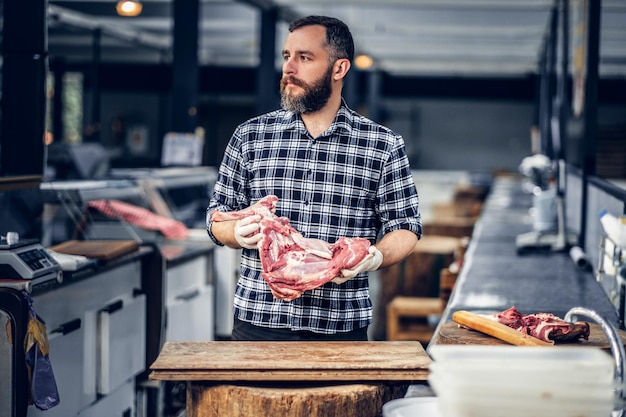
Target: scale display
<point>26,260</point>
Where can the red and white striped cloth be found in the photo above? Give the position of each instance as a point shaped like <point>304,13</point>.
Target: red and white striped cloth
<point>139,216</point>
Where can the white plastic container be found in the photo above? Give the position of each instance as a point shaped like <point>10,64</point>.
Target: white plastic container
<point>591,367</point>
<point>558,359</point>
<point>614,228</point>
<point>536,388</point>
<point>412,407</point>
<point>486,406</point>
<point>544,210</point>
<point>515,381</point>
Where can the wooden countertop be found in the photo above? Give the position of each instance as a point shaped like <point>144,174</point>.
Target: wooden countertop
<point>452,334</point>
<point>291,361</point>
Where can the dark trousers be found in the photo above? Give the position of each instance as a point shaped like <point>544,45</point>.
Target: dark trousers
<point>245,331</point>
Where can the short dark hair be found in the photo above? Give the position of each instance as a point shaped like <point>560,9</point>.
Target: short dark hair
<point>338,36</point>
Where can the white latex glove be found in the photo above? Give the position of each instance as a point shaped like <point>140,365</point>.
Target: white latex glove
<point>247,232</point>
<point>370,263</point>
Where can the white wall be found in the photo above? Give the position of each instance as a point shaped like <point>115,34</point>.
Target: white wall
<point>462,135</point>
<point>440,134</point>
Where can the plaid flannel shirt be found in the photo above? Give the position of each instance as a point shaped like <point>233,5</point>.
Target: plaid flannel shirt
<point>354,180</point>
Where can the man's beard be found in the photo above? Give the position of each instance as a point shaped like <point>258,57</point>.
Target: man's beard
<point>315,95</point>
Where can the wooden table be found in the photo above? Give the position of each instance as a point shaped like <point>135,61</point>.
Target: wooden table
<point>291,378</point>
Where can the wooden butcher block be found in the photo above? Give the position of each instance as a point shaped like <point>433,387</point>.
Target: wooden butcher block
<point>452,333</point>
<point>291,361</point>
<point>97,249</point>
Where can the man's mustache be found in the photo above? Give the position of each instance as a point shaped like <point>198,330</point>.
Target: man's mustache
<point>291,79</point>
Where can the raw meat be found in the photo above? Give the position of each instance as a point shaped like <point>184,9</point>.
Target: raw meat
<point>544,326</point>
<point>139,216</point>
<point>264,207</point>
<point>292,263</point>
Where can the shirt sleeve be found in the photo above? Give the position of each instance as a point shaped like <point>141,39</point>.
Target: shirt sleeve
<point>398,202</point>
<point>229,190</point>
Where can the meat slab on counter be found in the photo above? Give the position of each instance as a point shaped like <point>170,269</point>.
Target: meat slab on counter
<point>544,326</point>
<point>292,263</point>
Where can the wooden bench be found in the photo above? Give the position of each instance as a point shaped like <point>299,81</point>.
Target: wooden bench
<point>401,308</point>
<point>449,226</point>
<point>416,276</point>
<point>408,317</point>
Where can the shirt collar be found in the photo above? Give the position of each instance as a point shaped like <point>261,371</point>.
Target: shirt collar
<point>341,124</point>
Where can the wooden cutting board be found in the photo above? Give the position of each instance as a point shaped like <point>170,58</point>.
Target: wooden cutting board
<point>291,361</point>
<point>97,249</point>
<point>452,334</point>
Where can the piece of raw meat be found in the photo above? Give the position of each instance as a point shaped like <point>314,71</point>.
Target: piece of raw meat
<point>544,326</point>
<point>264,207</point>
<point>139,216</point>
<point>292,263</point>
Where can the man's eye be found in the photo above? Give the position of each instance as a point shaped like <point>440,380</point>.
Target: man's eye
<point>304,58</point>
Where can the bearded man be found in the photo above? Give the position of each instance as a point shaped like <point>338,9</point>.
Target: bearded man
<point>335,173</point>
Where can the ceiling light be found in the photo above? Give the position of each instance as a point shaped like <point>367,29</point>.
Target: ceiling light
<point>128,8</point>
<point>363,62</point>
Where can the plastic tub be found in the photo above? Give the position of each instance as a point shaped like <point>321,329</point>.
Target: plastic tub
<point>520,407</point>
<point>508,356</point>
<point>576,375</point>
<point>412,407</point>
<point>514,381</point>
<point>570,363</point>
<point>531,390</point>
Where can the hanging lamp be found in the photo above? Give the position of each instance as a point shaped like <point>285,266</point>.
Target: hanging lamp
<point>128,8</point>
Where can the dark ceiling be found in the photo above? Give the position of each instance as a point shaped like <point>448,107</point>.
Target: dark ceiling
<point>417,38</point>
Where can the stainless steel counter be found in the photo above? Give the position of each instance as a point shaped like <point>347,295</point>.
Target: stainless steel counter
<point>494,277</point>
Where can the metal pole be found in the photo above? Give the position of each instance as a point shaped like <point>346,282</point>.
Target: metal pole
<point>266,80</point>
<point>24,73</point>
<point>185,66</point>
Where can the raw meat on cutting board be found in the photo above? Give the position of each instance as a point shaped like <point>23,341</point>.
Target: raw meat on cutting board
<point>544,326</point>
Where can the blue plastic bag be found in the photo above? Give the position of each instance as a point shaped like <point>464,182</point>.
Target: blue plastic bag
<point>44,393</point>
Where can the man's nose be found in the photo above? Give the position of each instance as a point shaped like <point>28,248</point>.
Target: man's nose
<point>289,66</point>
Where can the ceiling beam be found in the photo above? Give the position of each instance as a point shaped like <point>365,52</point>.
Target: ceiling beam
<point>64,16</point>
<point>285,13</point>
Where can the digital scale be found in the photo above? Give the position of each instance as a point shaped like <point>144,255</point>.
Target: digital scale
<point>27,259</point>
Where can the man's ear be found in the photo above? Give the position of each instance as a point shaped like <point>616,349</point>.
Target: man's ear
<point>341,68</point>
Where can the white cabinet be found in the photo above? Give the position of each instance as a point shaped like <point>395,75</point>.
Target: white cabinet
<point>119,403</point>
<point>67,356</point>
<point>97,332</point>
<point>226,268</point>
<point>190,316</point>
<point>121,343</point>
<point>6,367</point>
<point>190,305</point>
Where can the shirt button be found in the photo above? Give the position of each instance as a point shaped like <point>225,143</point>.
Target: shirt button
<point>306,203</point>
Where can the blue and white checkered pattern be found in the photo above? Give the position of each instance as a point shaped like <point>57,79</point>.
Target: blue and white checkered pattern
<point>354,180</point>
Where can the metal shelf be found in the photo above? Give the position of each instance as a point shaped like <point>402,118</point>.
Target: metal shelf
<point>80,192</point>
<point>169,178</point>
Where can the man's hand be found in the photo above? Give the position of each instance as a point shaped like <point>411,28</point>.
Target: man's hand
<point>370,263</point>
<point>247,232</point>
